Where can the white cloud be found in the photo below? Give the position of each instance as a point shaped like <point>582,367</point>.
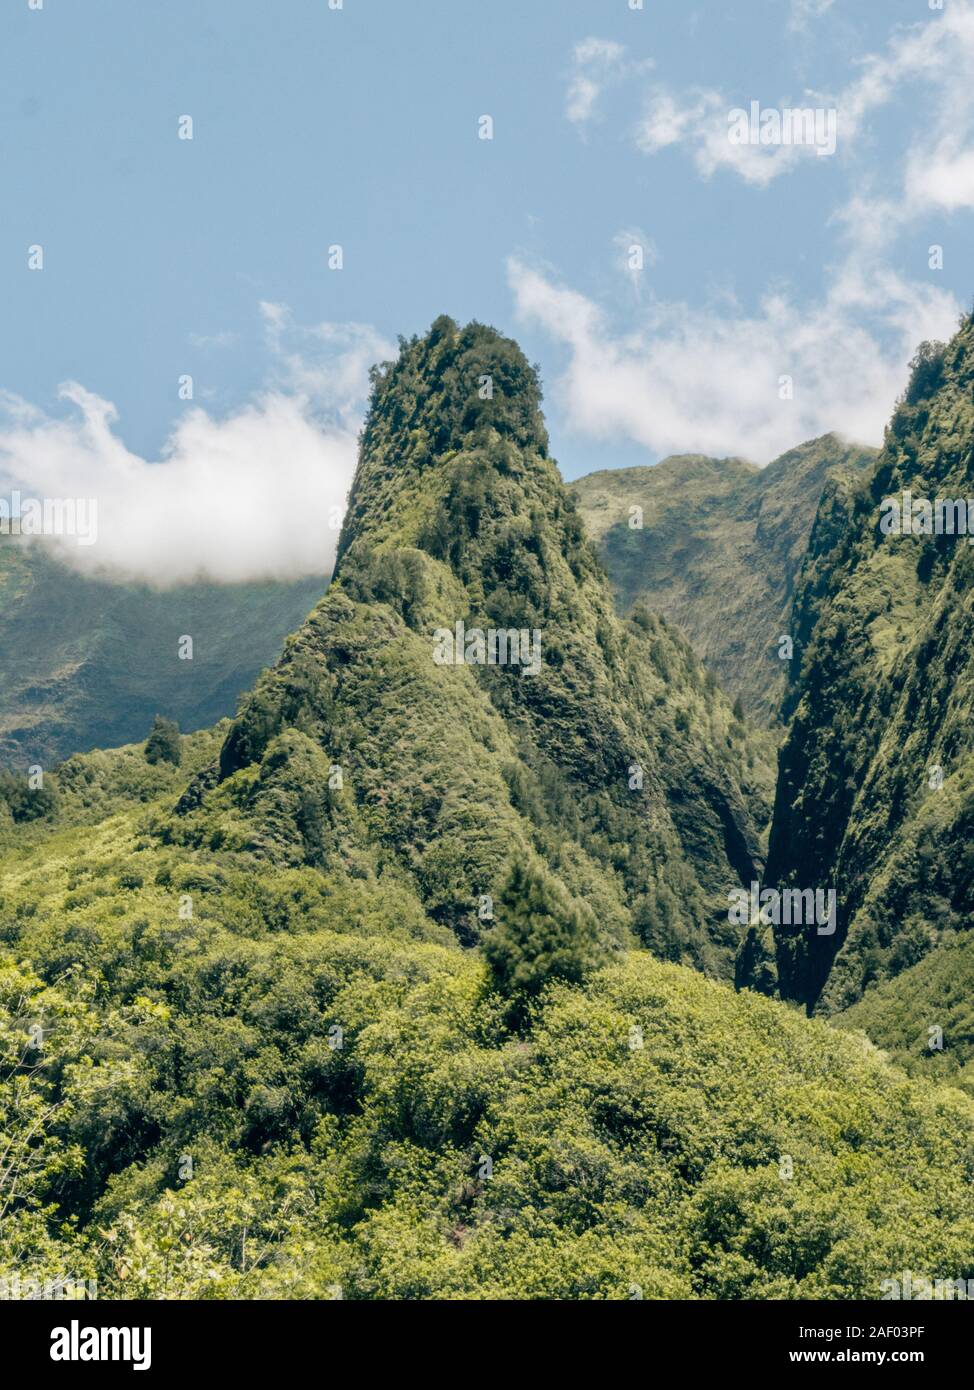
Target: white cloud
<point>248,496</point>
<point>225,338</point>
<point>802,11</point>
<point>940,163</point>
<point>667,123</point>
<point>326,362</point>
<point>707,380</point>
<point>703,121</point>
<point>926,67</point>
<point>627,244</point>
<point>596,63</point>
<point>944,178</point>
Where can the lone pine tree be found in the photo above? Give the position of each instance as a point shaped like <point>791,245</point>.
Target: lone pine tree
<point>164,743</point>
<point>541,935</point>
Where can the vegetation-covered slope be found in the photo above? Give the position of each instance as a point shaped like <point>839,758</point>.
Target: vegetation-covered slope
<point>875,795</point>
<point>228,1079</point>
<point>924,1016</point>
<point>717,552</point>
<point>245,1049</point>
<point>618,760</point>
<point>88,662</point>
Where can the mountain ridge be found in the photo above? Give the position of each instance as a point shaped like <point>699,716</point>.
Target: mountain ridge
<point>716,551</point>
<point>875,774</point>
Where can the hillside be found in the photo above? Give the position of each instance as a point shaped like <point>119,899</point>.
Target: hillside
<point>923,1017</point>
<point>355,1001</point>
<point>280,1082</point>
<point>876,787</point>
<point>88,662</point>
<point>717,553</point>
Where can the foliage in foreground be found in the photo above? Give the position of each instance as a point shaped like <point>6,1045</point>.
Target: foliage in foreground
<point>308,1087</point>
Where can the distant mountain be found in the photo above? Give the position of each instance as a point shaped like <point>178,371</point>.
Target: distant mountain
<point>351,1002</point>
<point>875,795</point>
<point>87,662</point>
<point>716,548</point>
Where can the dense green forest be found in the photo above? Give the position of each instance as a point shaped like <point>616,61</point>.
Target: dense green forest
<point>308,1086</point>
<point>414,980</point>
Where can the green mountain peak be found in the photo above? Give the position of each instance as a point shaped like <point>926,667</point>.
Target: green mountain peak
<point>618,740</point>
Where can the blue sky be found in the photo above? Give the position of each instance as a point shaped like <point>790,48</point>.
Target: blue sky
<point>314,126</point>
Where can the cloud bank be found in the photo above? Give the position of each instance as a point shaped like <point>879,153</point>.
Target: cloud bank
<point>256,495</point>
<point>710,380</point>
